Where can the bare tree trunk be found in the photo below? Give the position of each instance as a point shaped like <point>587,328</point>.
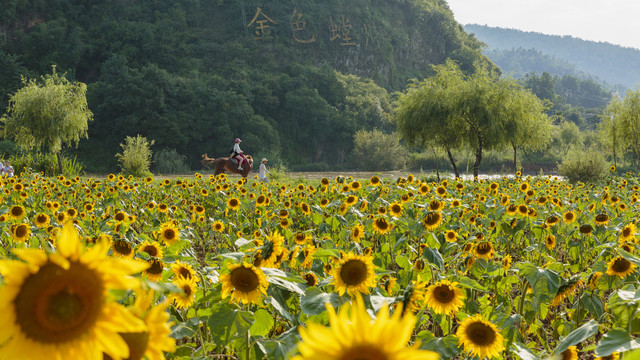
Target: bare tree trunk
<point>59,162</point>
<point>476,165</point>
<point>515,158</point>
<point>453,163</point>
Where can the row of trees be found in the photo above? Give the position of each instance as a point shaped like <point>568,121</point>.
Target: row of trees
<point>481,111</point>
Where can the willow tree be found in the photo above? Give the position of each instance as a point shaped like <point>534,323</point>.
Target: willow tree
<point>454,110</point>
<point>47,114</point>
<point>620,128</point>
<point>525,123</point>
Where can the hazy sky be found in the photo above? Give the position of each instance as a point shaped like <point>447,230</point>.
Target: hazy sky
<point>613,21</point>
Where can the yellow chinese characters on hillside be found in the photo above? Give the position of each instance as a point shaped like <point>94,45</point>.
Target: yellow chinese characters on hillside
<point>340,30</point>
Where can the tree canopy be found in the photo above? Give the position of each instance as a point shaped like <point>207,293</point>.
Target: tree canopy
<point>47,114</point>
<point>478,111</point>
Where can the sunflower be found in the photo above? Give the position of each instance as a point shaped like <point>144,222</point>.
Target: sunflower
<point>270,249</point>
<point>246,283</point>
<point>550,242</point>
<point>351,199</point>
<point>552,220</point>
<point>17,212</point>
<point>620,267</point>
<point>233,203</point>
<point>480,337</point>
<point>432,220</point>
<point>352,334</point>
<point>586,229</point>
<point>436,205</point>
<point>506,262</point>
<point>395,209</point>
<point>565,291</point>
<point>628,233</point>
<point>300,238</point>
<point>304,207</point>
<point>424,189</point>
<point>187,296</point>
<point>184,270</point>
<point>310,278</point>
<point>122,248</point>
<point>444,297</point>
<point>381,225</point>
<point>570,354</point>
<point>484,250</point>
<point>42,220</point>
<point>151,248</point>
<point>154,272</point>
<point>568,217</point>
<point>602,219</point>
<point>354,274</point>
<point>450,236</point>
<point>20,232</point>
<point>593,279</point>
<point>375,181</point>
<point>523,210</point>
<point>613,356</point>
<point>169,233</point>
<point>218,226</point>
<point>357,232</point>
<point>57,305</point>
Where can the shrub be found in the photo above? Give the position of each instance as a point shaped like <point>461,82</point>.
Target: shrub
<point>377,151</point>
<point>135,158</point>
<point>46,164</point>
<point>168,161</point>
<point>583,165</point>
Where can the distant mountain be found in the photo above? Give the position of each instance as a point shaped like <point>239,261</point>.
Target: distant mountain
<point>610,63</point>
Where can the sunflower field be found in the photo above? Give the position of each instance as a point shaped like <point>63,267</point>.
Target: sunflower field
<point>228,268</point>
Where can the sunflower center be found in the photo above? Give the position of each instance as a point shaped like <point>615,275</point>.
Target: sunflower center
<point>156,267</point>
<point>481,334</point>
<point>364,352</point>
<point>150,250</point>
<point>56,305</point>
<point>381,224</point>
<point>169,234</point>
<point>443,294</point>
<point>353,272</point>
<point>620,265</point>
<point>21,230</point>
<point>244,279</point>
<point>483,248</point>
<point>122,247</point>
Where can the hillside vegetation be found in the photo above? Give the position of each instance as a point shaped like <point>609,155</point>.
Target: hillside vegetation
<point>294,79</point>
<point>610,63</point>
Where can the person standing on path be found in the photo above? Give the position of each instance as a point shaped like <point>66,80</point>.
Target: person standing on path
<point>262,175</point>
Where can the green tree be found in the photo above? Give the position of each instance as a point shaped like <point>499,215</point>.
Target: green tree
<point>623,128</point>
<point>525,123</point>
<point>375,150</point>
<point>48,114</point>
<point>478,111</point>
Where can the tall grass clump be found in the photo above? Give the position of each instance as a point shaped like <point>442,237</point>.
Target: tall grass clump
<point>135,158</point>
<point>584,165</point>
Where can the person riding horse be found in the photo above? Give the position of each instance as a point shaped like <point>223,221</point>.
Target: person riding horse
<point>237,153</point>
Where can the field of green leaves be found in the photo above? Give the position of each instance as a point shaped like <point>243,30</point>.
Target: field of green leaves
<point>211,267</point>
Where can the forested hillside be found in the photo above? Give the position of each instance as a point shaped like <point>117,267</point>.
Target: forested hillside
<point>610,63</point>
<point>294,79</point>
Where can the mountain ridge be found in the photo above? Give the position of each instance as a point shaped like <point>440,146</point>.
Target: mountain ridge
<point>613,64</point>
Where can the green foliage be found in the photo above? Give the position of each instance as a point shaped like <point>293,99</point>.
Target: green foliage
<point>135,158</point>
<point>182,74</point>
<point>583,165</point>
<point>47,164</point>
<point>168,161</point>
<point>47,115</point>
<point>620,128</point>
<point>375,150</point>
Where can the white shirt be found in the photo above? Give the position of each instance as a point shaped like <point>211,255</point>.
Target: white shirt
<point>236,148</point>
<point>263,170</point>
<point>8,170</point>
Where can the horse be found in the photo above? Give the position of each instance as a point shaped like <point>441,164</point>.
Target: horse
<point>223,164</point>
